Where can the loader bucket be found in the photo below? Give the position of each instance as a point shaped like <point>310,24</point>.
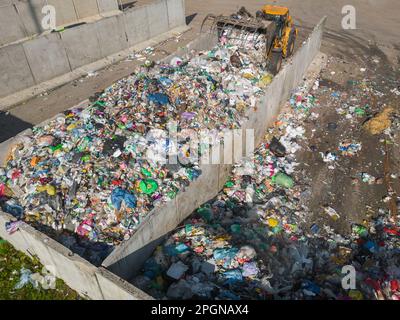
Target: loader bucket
<point>239,29</point>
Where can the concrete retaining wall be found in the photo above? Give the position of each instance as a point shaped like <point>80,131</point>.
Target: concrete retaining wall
<point>79,55</point>
<point>52,55</point>
<point>11,26</point>
<point>46,57</point>
<point>15,71</point>
<point>176,13</point>
<point>78,274</point>
<point>22,18</point>
<point>137,25</point>
<point>65,12</point>
<point>128,257</point>
<point>107,5</point>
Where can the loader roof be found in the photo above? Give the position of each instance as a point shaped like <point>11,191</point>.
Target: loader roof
<point>275,10</point>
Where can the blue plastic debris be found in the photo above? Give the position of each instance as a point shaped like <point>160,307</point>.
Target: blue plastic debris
<point>371,246</point>
<point>311,287</point>
<point>232,276</point>
<point>119,195</point>
<point>151,268</point>
<point>14,209</point>
<point>314,228</point>
<point>159,98</point>
<point>181,248</point>
<point>226,255</point>
<point>165,81</point>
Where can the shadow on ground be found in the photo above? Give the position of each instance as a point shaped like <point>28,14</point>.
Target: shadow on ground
<point>190,18</point>
<point>127,5</point>
<point>11,126</point>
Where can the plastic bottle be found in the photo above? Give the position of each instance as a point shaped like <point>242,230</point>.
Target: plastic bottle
<point>283,180</point>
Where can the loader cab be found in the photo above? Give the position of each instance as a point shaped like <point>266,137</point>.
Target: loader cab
<point>279,15</point>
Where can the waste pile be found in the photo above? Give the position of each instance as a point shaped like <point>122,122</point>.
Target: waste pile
<point>96,172</point>
<point>255,239</point>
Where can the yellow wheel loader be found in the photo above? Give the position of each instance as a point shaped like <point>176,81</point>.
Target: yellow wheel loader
<point>273,22</point>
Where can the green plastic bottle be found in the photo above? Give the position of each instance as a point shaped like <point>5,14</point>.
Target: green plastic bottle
<point>86,158</point>
<point>206,213</point>
<point>235,228</point>
<point>360,230</point>
<point>283,180</point>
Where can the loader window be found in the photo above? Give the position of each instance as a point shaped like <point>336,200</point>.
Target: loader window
<point>279,20</point>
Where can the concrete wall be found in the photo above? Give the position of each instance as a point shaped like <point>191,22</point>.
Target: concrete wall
<point>176,13</point>
<point>107,5</point>
<point>11,26</point>
<point>128,257</point>
<point>51,55</point>
<point>79,55</point>
<point>46,57</point>
<point>80,275</point>
<point>22,18</point>
<point>137,25</point>
<point>15,71</point>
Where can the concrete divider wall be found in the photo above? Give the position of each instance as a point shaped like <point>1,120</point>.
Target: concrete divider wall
<point>52,55</point>
<point>128,257</point>
<point>176,13</point>
<point>86,8</point>
<point>22,18</point>
<point>137,25</point>
<point>15,73</point>
<point>78,54</point>
<point>46,57</point>
<point>157,15</point>
<point>107,5</point>
<point>30,13</point>
<point>111,34</point>
<point>11,26</point>
<point>88,280</point>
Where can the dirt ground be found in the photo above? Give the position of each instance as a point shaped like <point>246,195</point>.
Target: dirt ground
<point>341,85</point>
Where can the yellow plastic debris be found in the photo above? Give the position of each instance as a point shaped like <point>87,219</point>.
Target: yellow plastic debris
<point>272,222</point>
<point>355,295</point>
<point>380,122</point>
<point>71,127</point>
<point>265,80</point>
<point>51,190</point>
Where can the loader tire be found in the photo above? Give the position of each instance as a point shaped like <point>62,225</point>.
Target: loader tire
<point>275,62</point>
<point>290,46</point>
